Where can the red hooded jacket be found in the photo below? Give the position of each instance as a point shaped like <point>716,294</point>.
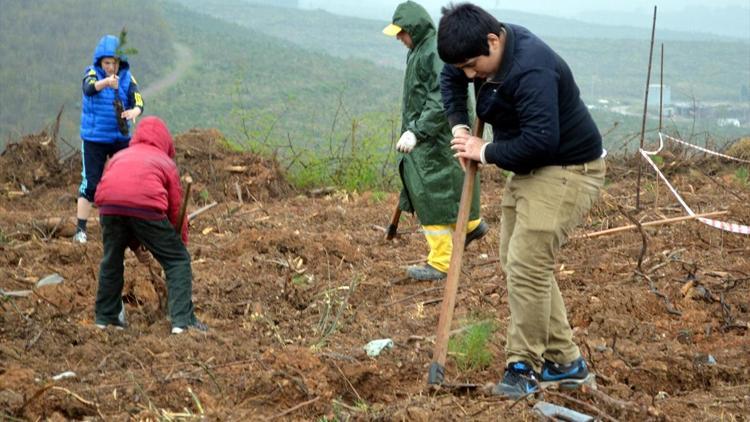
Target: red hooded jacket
<point>142,180</point>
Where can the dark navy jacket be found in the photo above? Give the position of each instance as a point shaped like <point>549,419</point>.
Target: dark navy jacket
<point>98,116</point>
<point>533,105</point>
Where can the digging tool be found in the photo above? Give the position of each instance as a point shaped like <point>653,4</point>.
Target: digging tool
<point>156,281</point>
<point>201,210</point>
<point>183,207</point>
<point>436,375</point>
<point>393,227</point>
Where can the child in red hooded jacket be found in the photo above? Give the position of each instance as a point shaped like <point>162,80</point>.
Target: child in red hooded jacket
<point>139,199</point>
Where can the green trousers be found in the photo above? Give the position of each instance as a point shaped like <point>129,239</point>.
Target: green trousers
<point>538,212</point>
<point>165,244</point>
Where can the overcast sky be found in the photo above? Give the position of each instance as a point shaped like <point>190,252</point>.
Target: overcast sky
<point>573,8</point>
<point>724,17</point>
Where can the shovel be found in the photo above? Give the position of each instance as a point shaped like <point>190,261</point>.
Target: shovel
<point>156,281</point>
<point>393,227</point>
<point>436,375</point>
<point>183,207</point>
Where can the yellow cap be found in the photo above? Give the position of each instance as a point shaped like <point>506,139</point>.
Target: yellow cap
<point>392,30</point>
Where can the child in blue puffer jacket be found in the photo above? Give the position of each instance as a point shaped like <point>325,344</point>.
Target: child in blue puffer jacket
<point>110,100</point>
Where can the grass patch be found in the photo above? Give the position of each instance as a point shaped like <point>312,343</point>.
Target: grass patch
<point>470,349</point>
<point>378,196</point>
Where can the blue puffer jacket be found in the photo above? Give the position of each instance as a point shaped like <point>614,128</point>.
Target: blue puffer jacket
<point>98,117</point>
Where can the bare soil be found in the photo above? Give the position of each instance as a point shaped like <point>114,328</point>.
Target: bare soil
<point>294,285</point>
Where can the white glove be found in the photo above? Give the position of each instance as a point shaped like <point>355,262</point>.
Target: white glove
<point>460,129</point>
<point>407,142</point>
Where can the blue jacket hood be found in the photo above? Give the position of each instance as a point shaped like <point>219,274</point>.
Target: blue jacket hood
<point>107,47</point>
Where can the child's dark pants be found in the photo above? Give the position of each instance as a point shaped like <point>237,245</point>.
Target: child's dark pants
<point>165,244</point>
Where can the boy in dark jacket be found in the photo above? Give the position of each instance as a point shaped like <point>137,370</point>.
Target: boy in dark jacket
<point>139,201</point>
<point>431,177</point>
<point>543,134</point>
<point>110,100</point>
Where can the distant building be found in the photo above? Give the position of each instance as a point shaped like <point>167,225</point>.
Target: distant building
<point>728,122</point>
<point>654,91</point>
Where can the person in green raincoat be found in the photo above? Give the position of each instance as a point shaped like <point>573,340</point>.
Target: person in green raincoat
<point>432,178</point>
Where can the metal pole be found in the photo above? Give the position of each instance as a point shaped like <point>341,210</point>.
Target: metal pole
<point>645,111</point>
<point>661,86</point>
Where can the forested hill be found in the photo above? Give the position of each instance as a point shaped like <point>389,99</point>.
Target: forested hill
<point>249,84</point>
<point>46,44</point>
<point>255,86</point>
<point>608,61</point>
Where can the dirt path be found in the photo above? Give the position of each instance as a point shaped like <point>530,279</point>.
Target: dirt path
<point>184,61</point>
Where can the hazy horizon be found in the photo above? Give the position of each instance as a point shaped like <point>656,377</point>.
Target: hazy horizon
<point>721,17</point>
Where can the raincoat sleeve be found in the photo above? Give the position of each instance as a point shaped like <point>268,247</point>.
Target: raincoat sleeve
<point>454,87</point>
<point>431,120</point>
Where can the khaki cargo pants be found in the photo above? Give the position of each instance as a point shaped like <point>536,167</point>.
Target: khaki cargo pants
<point>538,212</point>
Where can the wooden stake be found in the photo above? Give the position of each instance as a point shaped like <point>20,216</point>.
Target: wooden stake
<point>650,223</point>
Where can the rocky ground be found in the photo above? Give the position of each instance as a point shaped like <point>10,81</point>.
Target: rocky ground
<point>294,284</point>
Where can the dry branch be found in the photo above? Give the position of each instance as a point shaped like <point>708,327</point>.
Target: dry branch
<point>650,223</point>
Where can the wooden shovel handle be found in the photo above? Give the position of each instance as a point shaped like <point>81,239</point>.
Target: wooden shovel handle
<point>454,271</point>
<point>183,207</point>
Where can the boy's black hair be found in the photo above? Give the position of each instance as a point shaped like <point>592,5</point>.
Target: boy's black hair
<point>462,33</point>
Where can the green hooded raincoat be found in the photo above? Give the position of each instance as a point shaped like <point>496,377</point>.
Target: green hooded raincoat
<point>431,176</point>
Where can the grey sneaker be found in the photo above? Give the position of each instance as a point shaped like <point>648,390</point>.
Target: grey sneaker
<point>197,325</point>
<point>80,237</point>
<point>425,272</point>
<point>120,324</point>
<point>477,233</point>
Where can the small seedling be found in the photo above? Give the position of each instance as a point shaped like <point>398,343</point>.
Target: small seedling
<point>741,174</point>
<point>470,348</point>
<point>204,195</point>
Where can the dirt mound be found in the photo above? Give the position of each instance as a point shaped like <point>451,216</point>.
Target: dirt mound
<point>221,173</point>
<point>33,161</point>
<point>740,149</point>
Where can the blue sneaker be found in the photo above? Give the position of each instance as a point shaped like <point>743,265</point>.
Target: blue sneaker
<point>571,375</point>
<point>519,380</point>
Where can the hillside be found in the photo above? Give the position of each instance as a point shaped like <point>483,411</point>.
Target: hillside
<point>257,87</point>
<point>45,45</point>
<point>315,30</point>
<point>612,59</point>
<point>294,284</point>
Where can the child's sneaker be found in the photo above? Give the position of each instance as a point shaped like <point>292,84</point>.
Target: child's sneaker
<point>197,325</point>
<point>120,324</point>
<point>571,375</point>
<point>80,237</point>
<point>519,380</point>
